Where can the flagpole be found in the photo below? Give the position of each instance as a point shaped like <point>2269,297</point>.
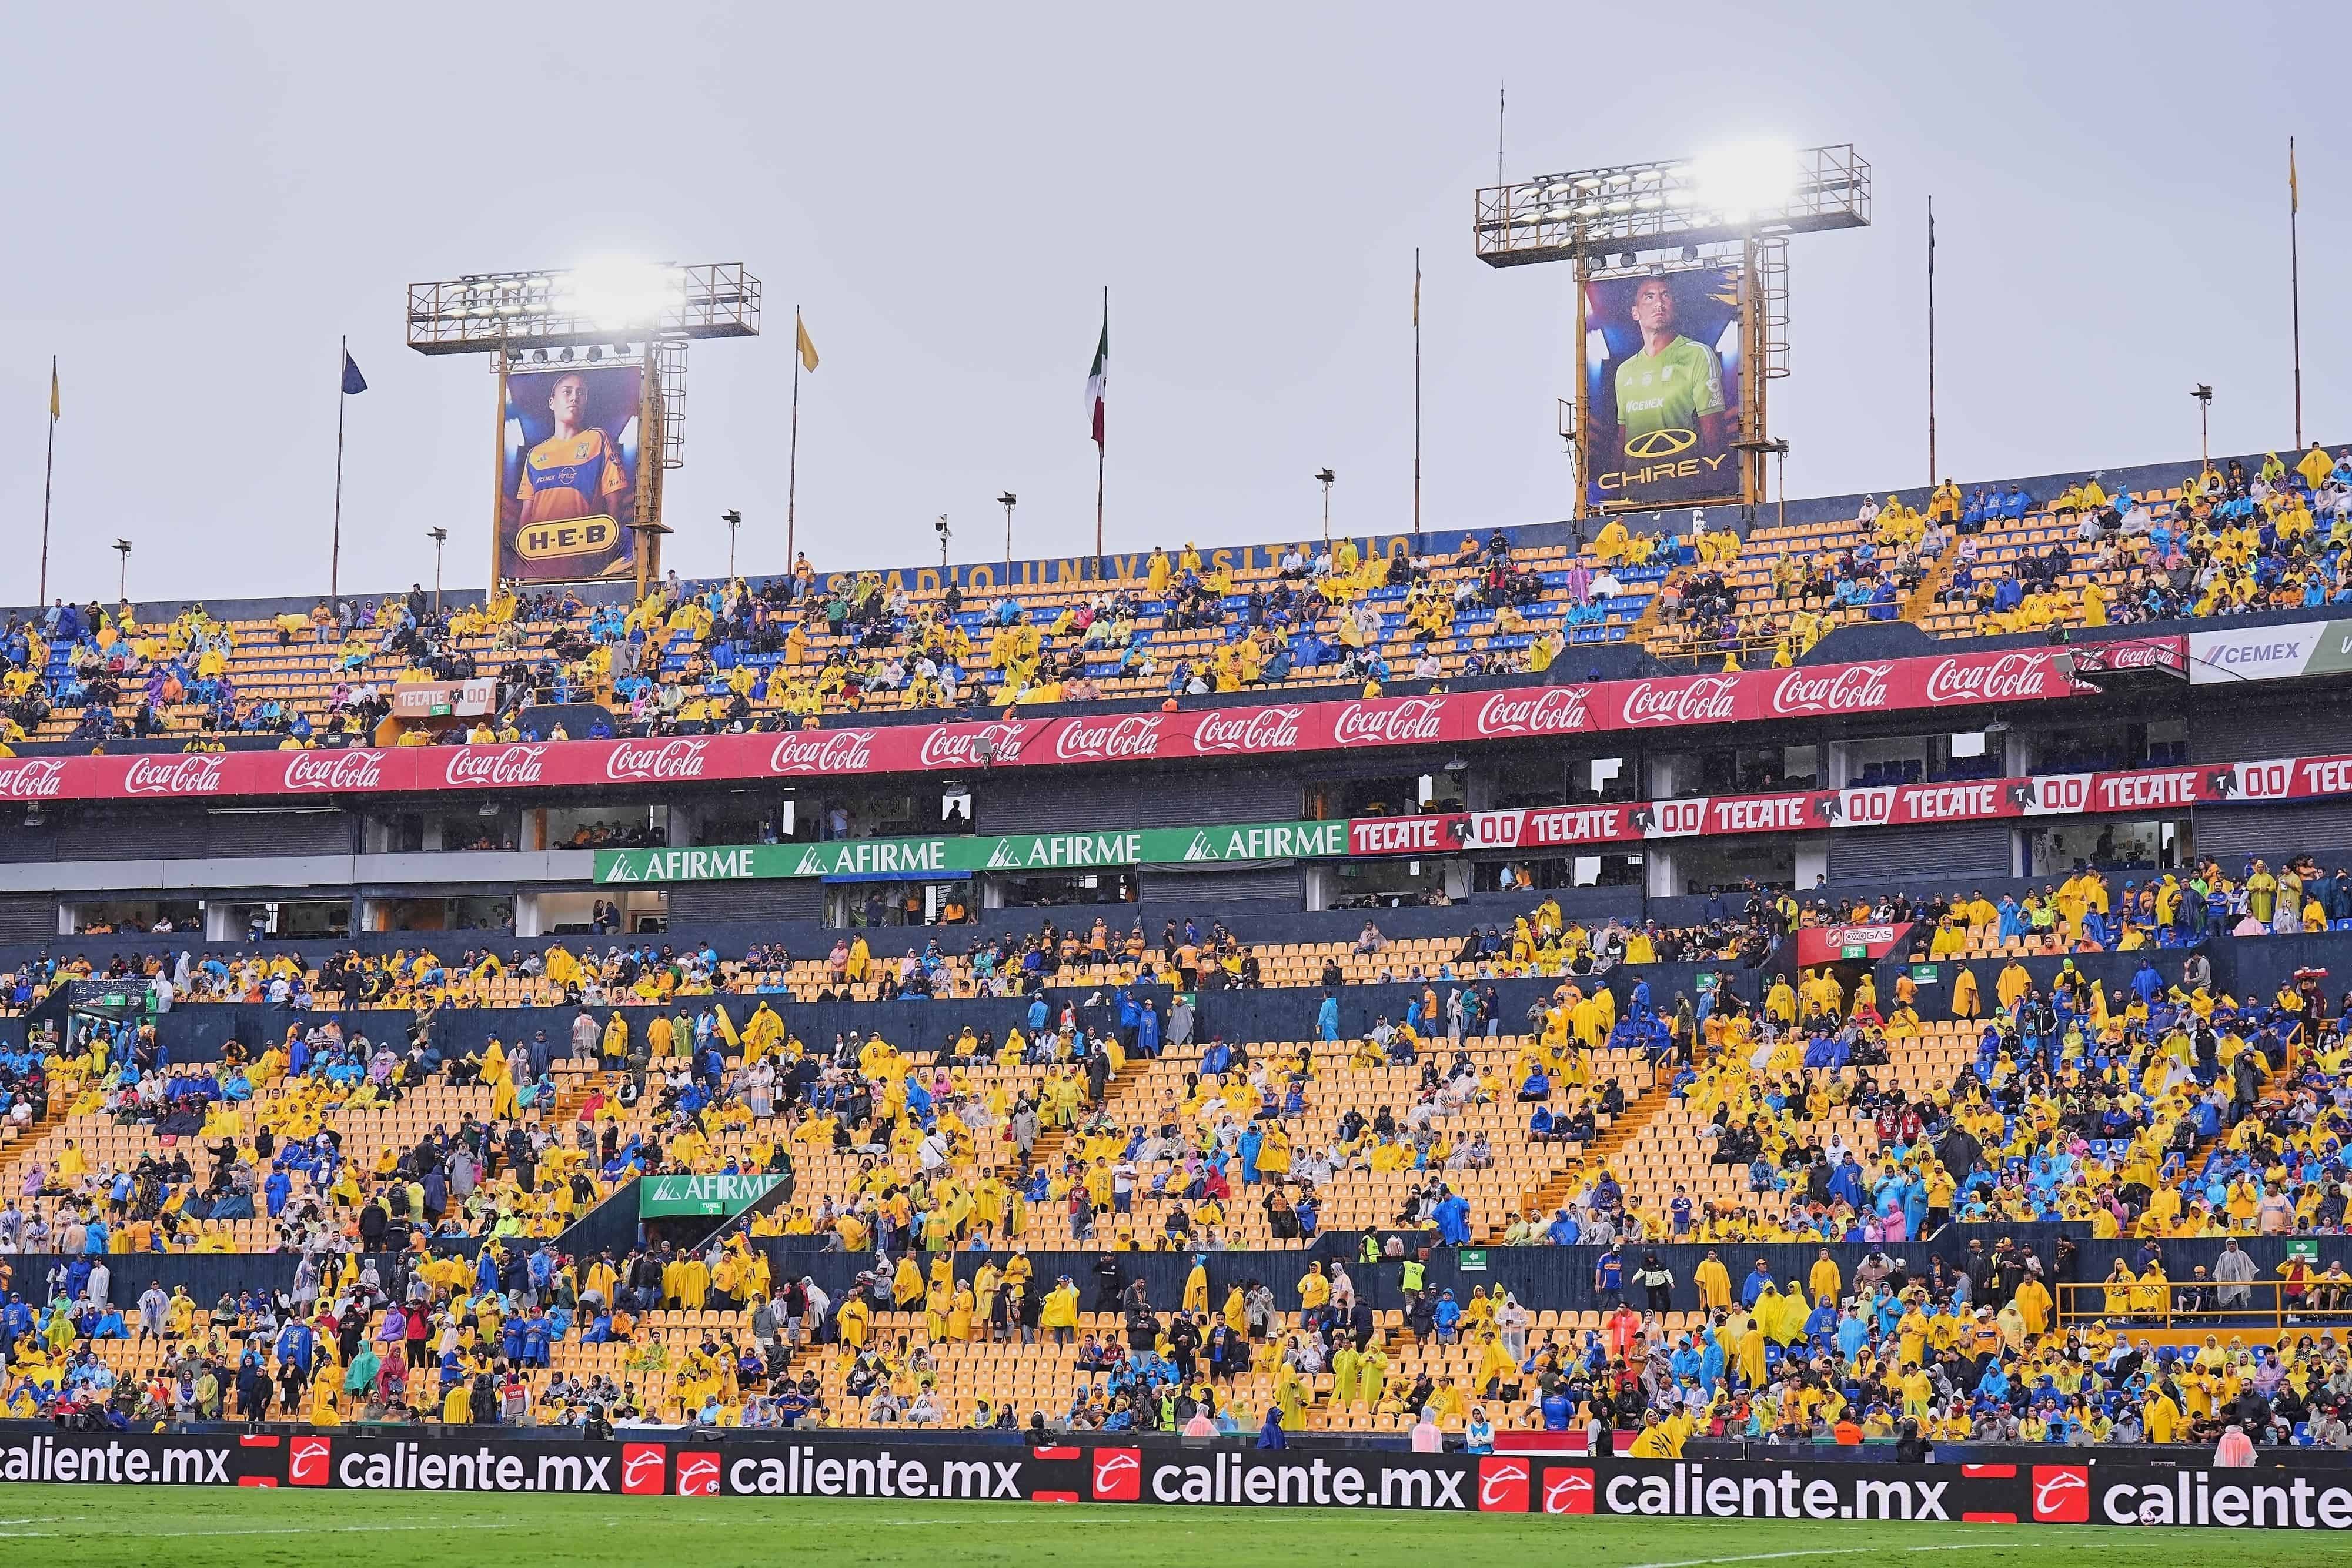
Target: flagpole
<point>335,555</point>
<point>2294,284</point>
<point>48,473</point>
<point>1416,400</point>
<point>1931,344</point>
<point>1100,447</point>
<point>792,467</point>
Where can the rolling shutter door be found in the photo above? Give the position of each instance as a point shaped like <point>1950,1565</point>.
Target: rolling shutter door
<point>2232,833</point>
<point>2248,730</point>
<point>693,905</point>
<point>1268,884</point>
<point>1012,804</point>
<point>33,918</point>
<point>1205,796</point>
<point>1959,848</point>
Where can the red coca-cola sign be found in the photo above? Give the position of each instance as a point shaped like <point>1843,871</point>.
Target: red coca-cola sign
<point>1129,737</point>
<point>1555,710</point>
<point>1838,688</point>
<point>822,751</point>
<point>1248,729</point>
<point>2012,677</point>
<point>1708,699</point>
<point>1398,723</point>
<point>646,761</point>
<point>196,773</point>
<point>478,764</point>
<point>948,746</point>
<point>334,770</point>
<point>34,778</point>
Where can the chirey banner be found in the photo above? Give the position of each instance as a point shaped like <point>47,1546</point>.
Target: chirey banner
<point>961,856</point>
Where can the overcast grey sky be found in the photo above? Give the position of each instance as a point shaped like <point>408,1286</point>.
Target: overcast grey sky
<point>199,199</point>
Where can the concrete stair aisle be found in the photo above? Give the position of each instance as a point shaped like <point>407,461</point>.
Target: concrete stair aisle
<point>17,1144</point>
<point>1652,620</point>
<point>1621,1132</point>
<point>1931,591</point>
<point>1050,1140</point>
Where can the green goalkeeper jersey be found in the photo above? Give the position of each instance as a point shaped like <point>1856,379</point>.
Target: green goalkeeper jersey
<point>1669,391</point>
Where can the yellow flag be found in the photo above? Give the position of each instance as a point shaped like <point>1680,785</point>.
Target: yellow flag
<point>2294,193</point>
<point>53,390</point>
<point>807,349</point>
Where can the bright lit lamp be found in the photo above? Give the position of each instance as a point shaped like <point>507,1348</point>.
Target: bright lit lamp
<point>617,294</point>
<point>1740,179</point>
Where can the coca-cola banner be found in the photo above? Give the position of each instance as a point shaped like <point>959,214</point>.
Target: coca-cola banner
<point>1528,712</point>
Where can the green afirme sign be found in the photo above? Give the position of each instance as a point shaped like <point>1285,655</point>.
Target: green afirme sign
<point>2304,1247</point>
<point>1471,1260</point>
<point>662,1195</point>
<point>968,854</point>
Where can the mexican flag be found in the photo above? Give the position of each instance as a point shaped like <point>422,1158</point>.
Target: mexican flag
<point>1098,377</point>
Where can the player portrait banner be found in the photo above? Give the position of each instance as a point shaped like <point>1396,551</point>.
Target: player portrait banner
<point>570,444</point>
<point>1659,401</point>
<point>2049,1486</point>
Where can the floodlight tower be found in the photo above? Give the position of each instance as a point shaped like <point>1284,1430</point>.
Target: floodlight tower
<point>1674,215</point>
<point>599,313</point>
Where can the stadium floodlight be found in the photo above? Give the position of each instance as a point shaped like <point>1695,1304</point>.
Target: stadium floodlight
<point>1734,181</point>
<point>1745,190</point>
<point>606,300</point>
<point>621,295</point>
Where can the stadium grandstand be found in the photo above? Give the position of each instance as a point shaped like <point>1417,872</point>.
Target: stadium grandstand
<point>1859,976</point>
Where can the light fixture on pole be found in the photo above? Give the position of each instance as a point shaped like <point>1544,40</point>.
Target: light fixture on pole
<point>2204,396</point>
<point>1323,476</point>
<point>1777,447</point>
<point>940,528</point>
<point>734,520</point>
<point>122,580</point>
<point>1008,501</point>
<point>439,537</point>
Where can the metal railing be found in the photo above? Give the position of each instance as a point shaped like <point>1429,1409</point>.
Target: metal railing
<point>2200,1303</point>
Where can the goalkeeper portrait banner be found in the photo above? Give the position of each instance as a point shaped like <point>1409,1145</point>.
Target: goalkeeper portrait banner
<point>1660,396</point>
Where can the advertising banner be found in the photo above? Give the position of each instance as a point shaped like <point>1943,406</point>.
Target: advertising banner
<point>659,1196</point>
<point>1661,405</point>
<point>961,855</point>
<point>2067,1487</point>
<point>1834,944</point>
<point>1211,734</point>
<point>2269,652</point>
<point>2166,654</point>
<point>570,439</point>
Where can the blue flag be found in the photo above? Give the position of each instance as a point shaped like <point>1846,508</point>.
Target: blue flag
<point>354,383</point>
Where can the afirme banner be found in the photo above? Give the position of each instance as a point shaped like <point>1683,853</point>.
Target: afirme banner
<point>2069,1490</point>
<point>660,1196</point>
<point>1518,829</point>
<point>961,855</point>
